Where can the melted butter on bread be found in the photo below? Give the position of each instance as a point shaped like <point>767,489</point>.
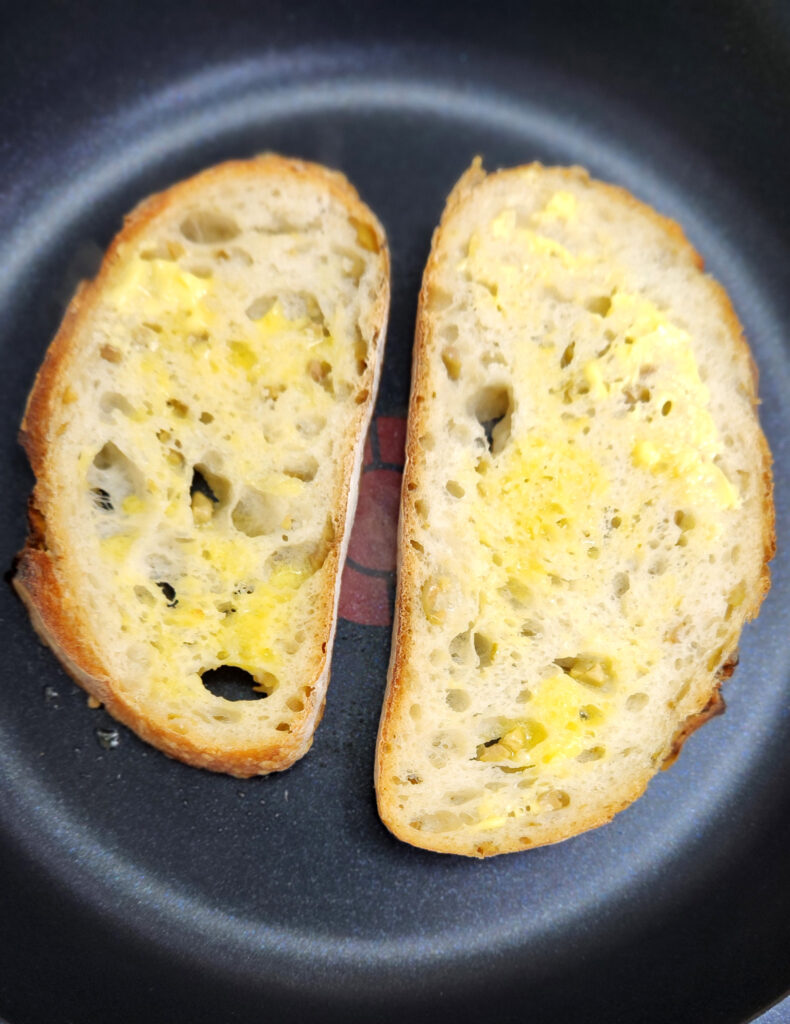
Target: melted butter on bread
<point>576,482</point>
<point>202,429</point>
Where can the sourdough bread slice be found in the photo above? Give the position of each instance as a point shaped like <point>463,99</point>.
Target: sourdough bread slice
<point>196,433</point>
<point>586,514</point>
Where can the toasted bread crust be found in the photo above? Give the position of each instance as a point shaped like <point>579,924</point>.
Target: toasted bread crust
<point>39,579</point>
<point>708,698</point>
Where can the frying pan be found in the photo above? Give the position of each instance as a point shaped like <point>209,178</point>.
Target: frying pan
<point>135,889</point>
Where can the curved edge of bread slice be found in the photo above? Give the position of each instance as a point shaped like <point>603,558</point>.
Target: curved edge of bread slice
<point>47,573</point>
<point>434,717</point>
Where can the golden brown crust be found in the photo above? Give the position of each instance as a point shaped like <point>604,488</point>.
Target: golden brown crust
<point>715,706</point>
<point>710,702</point>
<point>40,584</point>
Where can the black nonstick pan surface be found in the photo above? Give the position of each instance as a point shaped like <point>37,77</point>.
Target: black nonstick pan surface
<point>133,888</point>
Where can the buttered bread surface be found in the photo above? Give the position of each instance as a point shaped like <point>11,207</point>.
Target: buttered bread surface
<point>203,431</point>
<point>586,514</point>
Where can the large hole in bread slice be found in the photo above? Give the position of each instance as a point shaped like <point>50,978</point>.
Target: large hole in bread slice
<point>207,227</point>
<point>232,683</point>
<point>256,513</point>
<point>492,407</point>
<point>113,477</point>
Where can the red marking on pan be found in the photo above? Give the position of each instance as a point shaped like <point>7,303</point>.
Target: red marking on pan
<point>368,585</point>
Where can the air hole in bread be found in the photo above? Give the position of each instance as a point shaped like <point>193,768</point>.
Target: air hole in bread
<point>591,754</point>
<point>232,683</point>
<point>554,800</point>
<point>362,396</point>
<point>110,353</point>
<point>594,670</point>
<point>493,357</point>
<point>485,649</point>
<point>366,236</point>
<point>681,692</point>
<point>295,704</point>
<point>492,407</point>
<point>567,355</point>
<point>101,499</point>
<point>206,417</point>
<point>351,263</point>
<point>599,304</point>
<point>735,598</point>
<point>309,556</point>
<point>360,351</point>
<point>202,499</point>
<point>452,361</point>
<point>435,596</point>
<point>458,700</point>
<point>438,298</point>
<point>169,592</point>
<point>310,425</point>
<point>415,711</point>
<point>455,489</point>
<point>209,227</point>
<point>459,647</point>
<point>685,521</point>
<point>319,551</point>
<point>441,821</point>
<point>633,395</point>
<point>636,701</point>
<point>417,546</point>
<point>259,307</point>
<point>179,408</point>
<point>164,250</point>
<point>443,741</point>
<point>622,583</point>
<point>320,370</point>
<point>111,402</point>
<point>463,796</point>
<point>256,513</point>
<point>302,467</point>
<point>213,485</point>
<point>144,596</point>
<point>199,270</point>
<point>175,458</point>
<point>421,508</point>
<point>524,696</point>
<point>283,727</point>
<point>115,474</point>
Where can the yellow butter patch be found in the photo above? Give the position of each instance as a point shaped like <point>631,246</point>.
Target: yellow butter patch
<point>159,290</point>
<point>116,548</point>
<point>536,502</point>
<point>132,505</point>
